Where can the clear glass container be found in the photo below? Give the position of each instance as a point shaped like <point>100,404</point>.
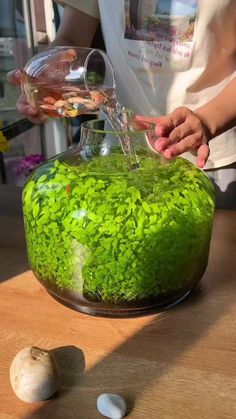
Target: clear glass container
<point>68,81</point>
<point>109,240</point>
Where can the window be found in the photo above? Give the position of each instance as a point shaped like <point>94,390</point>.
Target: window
<point>26,26</point>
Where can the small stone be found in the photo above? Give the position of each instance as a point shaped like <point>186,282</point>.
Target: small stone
<point>61,111</point>
<point>47,107</point>
<point>112,406</point>
<point>34,375</point>
<point>87,104</point>
<point>78,106</point>
<point>60,103</point>
<point>72,112</point>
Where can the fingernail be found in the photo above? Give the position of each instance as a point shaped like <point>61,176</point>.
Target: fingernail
<point>201,163</point>
<point>168,154</point>
<point>158,146</point>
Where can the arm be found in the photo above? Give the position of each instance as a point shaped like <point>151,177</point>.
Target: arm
<point>185,130</point>
<point>219,114</point>
<point>76,29</point>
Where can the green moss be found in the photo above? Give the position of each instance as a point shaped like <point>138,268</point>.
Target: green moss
<point>116,235</point>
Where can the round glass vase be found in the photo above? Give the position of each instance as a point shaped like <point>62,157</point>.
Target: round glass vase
<point>108,237</point>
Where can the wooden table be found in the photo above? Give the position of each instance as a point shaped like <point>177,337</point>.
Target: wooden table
<point>180,364</point>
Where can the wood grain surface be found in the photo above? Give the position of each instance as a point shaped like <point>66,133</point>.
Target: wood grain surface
<point>180,364</point>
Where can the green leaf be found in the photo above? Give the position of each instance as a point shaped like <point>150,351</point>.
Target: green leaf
<point>35,209</point>
<point>146,207</point>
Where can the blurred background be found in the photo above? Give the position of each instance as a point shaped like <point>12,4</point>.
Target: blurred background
<point>28,27</point>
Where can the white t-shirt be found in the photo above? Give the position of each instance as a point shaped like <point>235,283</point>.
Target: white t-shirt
<point>170,53</point>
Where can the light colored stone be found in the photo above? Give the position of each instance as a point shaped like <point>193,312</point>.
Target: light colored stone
<point>112,406</point>
<point>34,375</point>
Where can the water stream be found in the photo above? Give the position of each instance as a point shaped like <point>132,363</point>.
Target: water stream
<point>120,119</point>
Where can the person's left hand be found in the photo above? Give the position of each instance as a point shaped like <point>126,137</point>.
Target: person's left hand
<point>181,131</point>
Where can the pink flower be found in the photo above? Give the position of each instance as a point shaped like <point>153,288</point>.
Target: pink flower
<point>28,164</point>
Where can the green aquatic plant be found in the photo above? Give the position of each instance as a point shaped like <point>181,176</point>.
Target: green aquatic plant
<point>112,234</point>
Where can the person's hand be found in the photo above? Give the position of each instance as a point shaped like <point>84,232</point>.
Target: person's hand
<point>22,105</point>
<point>54,62</point>
<point>180,131</point>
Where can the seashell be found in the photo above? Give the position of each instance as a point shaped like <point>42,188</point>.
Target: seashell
<point>60,103</point>
<point>68,95</point>
<point>78,99</point>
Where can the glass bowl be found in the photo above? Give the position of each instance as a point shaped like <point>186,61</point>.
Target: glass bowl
<point>109,240</point>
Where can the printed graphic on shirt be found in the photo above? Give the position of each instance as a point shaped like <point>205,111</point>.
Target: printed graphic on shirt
<point>162,30</point>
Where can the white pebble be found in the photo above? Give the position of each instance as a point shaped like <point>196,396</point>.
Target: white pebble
<point>112,406</point>
<point>34,374</point>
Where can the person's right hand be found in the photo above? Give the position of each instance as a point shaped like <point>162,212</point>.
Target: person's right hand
<point>22,105</point>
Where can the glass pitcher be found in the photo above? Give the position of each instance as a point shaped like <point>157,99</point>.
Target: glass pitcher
<point>109,240</point>
<point>68,81</point>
